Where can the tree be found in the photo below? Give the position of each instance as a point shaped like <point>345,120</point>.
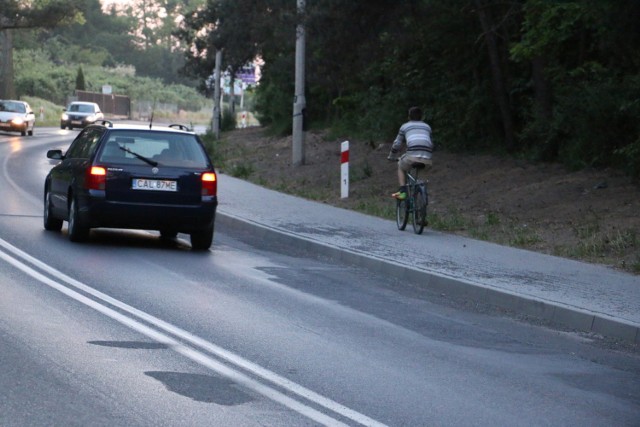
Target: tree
<point>152,47</point>
<point>240,27</point>
<point>546,80</point>
<point>16,15</point>
<point>497,65</point>
<point>585,57</point>
<point>80,85</point>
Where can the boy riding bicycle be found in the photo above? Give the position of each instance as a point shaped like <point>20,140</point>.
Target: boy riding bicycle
<point>416,134</point>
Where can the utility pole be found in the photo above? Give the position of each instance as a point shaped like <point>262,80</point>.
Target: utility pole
<point>215,121</point>
<point>299,101</point>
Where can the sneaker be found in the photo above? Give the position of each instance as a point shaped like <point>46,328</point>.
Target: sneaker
<point>400,195</point>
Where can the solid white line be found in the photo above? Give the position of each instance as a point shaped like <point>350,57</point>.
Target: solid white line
<point>198,357</point>
<point>196,341</point>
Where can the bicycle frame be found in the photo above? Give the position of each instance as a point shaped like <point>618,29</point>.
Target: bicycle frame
<point>415,205</point>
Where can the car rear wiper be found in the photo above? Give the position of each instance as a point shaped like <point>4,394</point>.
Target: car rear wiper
<point>143,158</point>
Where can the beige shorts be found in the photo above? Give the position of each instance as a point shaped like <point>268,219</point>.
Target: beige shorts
<point>406,161</point>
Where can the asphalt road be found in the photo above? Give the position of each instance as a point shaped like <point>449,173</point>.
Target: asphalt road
<point>127,330</point>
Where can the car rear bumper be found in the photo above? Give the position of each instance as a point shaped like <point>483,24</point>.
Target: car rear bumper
<point>181,218</point>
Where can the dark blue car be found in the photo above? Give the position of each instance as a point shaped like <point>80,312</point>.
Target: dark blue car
<point>135,177</point>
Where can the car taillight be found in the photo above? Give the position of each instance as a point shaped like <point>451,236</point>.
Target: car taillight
<point>96,178</point>
<point>209,184</point>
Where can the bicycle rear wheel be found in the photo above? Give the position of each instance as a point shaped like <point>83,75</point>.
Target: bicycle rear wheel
<point>419,209</point>
<point>402,213</point>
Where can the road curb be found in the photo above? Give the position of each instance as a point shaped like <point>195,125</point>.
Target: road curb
<point>554,312</point>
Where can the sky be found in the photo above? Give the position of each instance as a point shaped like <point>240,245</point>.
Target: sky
<point>107,3</point>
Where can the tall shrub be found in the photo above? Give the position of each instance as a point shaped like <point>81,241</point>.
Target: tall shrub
<point>80,85</point>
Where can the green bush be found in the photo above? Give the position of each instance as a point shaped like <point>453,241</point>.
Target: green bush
<point>228,120</point>
<point>241,170</point>
<point>274,100</point>
<point>216,149</point>
<point>628,158</point>
<point>600,126</point>
<point>50,111</point>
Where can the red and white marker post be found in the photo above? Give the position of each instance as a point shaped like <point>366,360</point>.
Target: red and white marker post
<point>344,170</point>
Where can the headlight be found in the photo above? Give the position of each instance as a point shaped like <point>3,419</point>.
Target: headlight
<point>17,121</point>
<point>64,116</point>
<point>91,118</point>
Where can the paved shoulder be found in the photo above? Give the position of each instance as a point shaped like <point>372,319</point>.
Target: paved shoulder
<point>587,297</point>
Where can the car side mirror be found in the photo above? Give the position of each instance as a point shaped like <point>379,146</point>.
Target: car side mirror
<point>55,154</point>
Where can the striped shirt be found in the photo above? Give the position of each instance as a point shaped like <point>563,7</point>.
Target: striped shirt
<point>417,136</point>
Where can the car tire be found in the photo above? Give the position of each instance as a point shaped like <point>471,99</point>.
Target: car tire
<point>30,133</point>
<point>50,222</point>
<point>78,232</point>
<point>61,126</point>
<point>24,132</point>
<point>201,240</point>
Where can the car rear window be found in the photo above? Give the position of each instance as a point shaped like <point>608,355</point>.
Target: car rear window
<point>166,148</point>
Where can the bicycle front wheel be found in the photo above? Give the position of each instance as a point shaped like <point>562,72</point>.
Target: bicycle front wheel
<point>419,210</point>
<point>402,213</point>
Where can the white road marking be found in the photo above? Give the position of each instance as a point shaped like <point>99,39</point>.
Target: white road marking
<point>193,354</point>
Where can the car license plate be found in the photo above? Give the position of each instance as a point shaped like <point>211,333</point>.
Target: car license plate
<point>76,122</point>
<point>154,184</point>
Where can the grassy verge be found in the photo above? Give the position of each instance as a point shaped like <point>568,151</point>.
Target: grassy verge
<point>47,113</point>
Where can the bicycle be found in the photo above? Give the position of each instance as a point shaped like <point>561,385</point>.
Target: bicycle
<point>415,204</point>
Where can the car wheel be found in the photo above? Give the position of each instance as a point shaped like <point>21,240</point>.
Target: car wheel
<point>62,126</point>
<point>24,132</point>
<point>201,240</point>
<point>78,232</point>
<point>50,222</point>
<point>30,132</point>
